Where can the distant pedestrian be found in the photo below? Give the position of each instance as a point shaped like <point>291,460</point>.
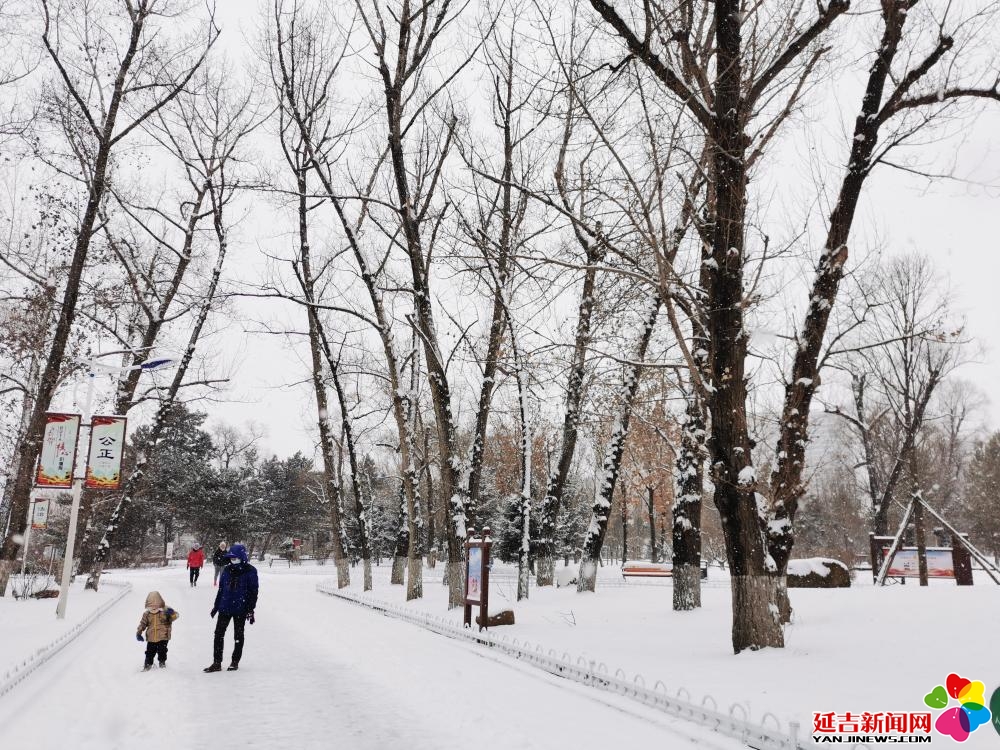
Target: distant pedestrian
<point>235,601</point>
<point>156,623</point>
<point>219,560</point>
<point>196,558</point>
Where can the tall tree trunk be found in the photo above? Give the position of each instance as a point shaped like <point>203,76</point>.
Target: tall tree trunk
<point>786,479</point>
<point>755,621</point>
<point>128,383</point>
<point>32,441</point>
<point>651,515</point>
<point>688,475</point>
<point>397,578</point>
<point>301,109</point>
<point>524,552</point>
<point>147,451</point>
<point>330,478</point>
<point>594,540</point>
<point>549,511</point>
<point>451,485</point>
<point>624,509</point>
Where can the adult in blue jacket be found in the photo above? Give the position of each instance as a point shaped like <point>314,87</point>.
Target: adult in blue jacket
<point>235,601</point>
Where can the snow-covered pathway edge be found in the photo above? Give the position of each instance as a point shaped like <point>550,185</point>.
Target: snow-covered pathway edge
<point>20,671</point>
<point>597,675</point>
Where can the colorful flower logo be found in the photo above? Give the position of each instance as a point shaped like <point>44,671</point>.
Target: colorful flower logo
<point>959,721</point>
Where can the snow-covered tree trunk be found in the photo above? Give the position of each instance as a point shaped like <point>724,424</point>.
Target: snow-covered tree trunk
<point>398,575</point>
<point>352,455</point>
<point>688,476</point>
<point>316,351</point>
<point>302,69</point>
<point>651,518</point>
<point>887,94</point>
<point>131,484</point>
<point>524,551</point>
<point>549,511</point>
<point>414,519</point>
<point>608,476</point>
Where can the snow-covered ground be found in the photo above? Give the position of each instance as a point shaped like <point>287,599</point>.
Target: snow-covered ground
<point>320,672</point>
<point>28,625</point>
<point>858,649</point>
<point>317,672</point>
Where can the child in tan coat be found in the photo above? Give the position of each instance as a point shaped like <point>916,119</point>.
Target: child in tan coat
<point>156,622</point>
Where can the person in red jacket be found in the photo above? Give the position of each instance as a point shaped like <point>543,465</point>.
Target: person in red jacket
<point>196,558</point>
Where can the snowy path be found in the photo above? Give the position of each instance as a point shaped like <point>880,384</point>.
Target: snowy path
<point>316,673</point>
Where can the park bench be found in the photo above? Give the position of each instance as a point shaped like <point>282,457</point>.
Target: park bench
<point>642,569</point>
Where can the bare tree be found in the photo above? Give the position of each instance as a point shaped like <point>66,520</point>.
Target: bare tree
<point>907,346</point>
<point>206,128</point>
<point>81,48</point>
<point>739,74</point>
<point>404,41</point>
<point>298,54</point>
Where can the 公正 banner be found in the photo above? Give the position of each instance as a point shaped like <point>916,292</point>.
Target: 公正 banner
<point>55,463</point>
<point>104,459</point>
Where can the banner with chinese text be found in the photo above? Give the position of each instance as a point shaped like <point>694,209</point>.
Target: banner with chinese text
<point>906,564</point>
<point>104,459</point>
<point>39,513</point>
<point>55,463</point>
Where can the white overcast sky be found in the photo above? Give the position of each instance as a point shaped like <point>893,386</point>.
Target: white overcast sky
<point>954,221</point>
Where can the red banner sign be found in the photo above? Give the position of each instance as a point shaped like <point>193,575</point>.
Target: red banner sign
<point>55,463</point>
<point>104,459</point>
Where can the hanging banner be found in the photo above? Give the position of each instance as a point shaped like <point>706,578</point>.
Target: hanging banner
<point>39,514</point>
<point>104,459</point>
<point>55,463</point>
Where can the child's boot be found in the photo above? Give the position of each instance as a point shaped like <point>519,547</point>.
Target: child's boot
<point>146,667</point>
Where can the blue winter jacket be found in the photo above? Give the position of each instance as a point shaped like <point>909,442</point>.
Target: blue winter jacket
<point>237,593</point>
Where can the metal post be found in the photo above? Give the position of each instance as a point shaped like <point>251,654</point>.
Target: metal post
<point>74,513</point>
<point>918,523</point>
<point>897,542</point>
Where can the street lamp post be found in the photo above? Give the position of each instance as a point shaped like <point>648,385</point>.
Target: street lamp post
<point>74,513</point>
<point>78,480</point>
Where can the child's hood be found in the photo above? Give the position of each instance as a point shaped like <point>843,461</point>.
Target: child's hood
<point>154,601</point>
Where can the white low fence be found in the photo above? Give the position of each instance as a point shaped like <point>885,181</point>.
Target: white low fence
<point>20,671</point>
<point>767,734</point>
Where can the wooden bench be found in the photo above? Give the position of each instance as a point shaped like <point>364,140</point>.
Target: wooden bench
<point>642,569</point>
<point>647,570</point>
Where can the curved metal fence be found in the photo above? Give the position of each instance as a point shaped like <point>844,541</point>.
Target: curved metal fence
<point>20,671</point>
<point>767,734</point>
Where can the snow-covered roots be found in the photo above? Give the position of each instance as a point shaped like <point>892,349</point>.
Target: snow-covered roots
<point>545,568</point>
<point>414,578</point>
<point>687,587</point>
<point>398,570</point>
<point>587,579</point>
<point>6,569</point>
<point>756,620</point>
<point>343,572</point>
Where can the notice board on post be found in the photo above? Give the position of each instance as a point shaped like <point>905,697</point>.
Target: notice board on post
<point>477,576</point>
